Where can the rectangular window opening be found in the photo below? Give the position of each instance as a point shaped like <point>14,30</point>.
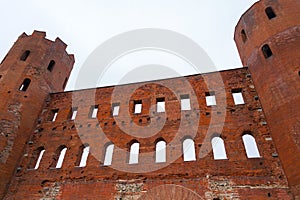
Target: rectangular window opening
<point>54,114</point>
<point>94,111</point>
<point>160,105</point>
<point>185,102</point>
<point>237,96</point>
<point>74,113</point>
<point>137,106</point>
<point>115,109</point>
<point>210,98</point>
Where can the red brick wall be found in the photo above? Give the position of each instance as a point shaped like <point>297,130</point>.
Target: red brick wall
<point>238,176</point>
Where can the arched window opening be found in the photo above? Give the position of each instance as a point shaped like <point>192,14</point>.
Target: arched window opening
<point>24,86</point>
<point>36,158</point>
<point>267,51</point>
<point>188,150</point>
<point>58,157</point>
<point>39,159</point>
<point>270,12</point>
<point>134,153</point>
<point>244,36</point>
<point>250,146</point>
<point>218,148</point>
<point>51,65</point>
<point>160,152</point>
<point>108,155</point>
<point>84,155</point>
<point>25,55</point>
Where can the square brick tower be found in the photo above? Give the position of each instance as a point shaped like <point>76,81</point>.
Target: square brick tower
<point>33,68</point>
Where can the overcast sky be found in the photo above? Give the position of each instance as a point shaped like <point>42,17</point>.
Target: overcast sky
<point>84,25</point>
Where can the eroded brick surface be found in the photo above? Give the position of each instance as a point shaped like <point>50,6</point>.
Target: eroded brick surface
<point>268,86</point>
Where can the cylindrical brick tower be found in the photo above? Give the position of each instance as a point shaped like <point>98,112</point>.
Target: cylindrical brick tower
<point>268,39</point>
<point>33,68</point>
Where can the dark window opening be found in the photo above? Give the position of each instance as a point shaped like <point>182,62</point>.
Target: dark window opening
<point>244,36</point>
<point>24,86</point>
<point>53,115</point>
<point>73,113</point>
<point>266,51</point>
<point>36,158</point>
<point>51,65</point>
<point>65,83</point>
<point>25,55</point>
<point>270,12</point>
<point>58,157</point>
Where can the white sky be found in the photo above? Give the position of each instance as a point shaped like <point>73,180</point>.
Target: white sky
<point>84,25</point>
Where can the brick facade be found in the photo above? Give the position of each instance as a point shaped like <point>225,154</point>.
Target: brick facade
<point>39,119</point>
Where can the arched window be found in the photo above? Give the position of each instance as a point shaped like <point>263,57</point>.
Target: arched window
<point>244,36</point>
<point>84,155</point>
<point>51,65</point>
<point>36,158</point>
<point>266,51</point>
<point>250,146</point>
<point>108,154</point>
<point>218,148</point>
<point>160,152</point>
<point>25,55</point>
<point>134,153</point>
<point>58,157</point>
<point>188,150</point>
<point>270,12</point>
<point>24,86</point>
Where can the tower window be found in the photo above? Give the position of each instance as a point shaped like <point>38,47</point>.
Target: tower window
<point>210,98</point>
<point>267,51</point>
<point>53,114</point>
<point>51,65</point>
<point>244,36</point>
<point>270,12</point>
<point>137,106</point>
<point>25,55</point>
<point>24,86</point>
<point>185,102</point>
<point>160,105</point>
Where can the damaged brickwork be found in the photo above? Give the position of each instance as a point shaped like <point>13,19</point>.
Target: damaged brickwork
<point>36,123</point>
